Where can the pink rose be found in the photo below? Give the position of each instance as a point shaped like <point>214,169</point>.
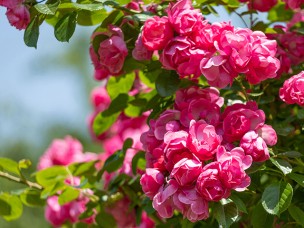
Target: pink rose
<point>238,119</point>
<point>111,53</point>
<point>100,98</point>
<point>191,204</point>
<point>183,17</point>
<point>184,96</point>
<point>254,146</point>
<point>163,202</point>
<point>209,184</point>
<point>140,52</point>
<point>151,181</point>
<point>181,55</point>
<point>294,4</point>
<point>156,33</point>
<point>61,152</point>
<point>18,16</point>
<point>203,140</point>
<point>260,5</point>
<point>292,91</point>
<point>233,165</point>
<point>167,121</point>
<point>148,139</point>
<point>186,171</point>
<point>267,133</point>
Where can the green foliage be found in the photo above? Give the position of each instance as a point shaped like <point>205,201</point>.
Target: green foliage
<point>65,27</point>
<point>31,33</point>
<point>10,206</point>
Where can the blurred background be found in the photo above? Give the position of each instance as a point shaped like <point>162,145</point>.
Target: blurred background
<point>44,94</point>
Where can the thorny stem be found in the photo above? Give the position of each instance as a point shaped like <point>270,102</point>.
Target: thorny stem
<point>20,180</point>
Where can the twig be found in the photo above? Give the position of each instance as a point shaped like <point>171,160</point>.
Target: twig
<point>20,180</point>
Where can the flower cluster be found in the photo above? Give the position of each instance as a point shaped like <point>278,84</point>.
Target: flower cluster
<point>192,46</point>
<point>260,5</point>
<point>17,13</point>
<point>292,91</point>
<point>196,154</point>
<point>64,152</point>
<point>110,55</point>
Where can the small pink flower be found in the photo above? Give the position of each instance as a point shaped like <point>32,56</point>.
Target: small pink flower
<point>168,121</point>
<point>254,146</point>
<point>260,5</point>
<point>294,4</point>
<point>18,16</point>
<point>156,33</point>
<point>238,119</point>
<point>151,182</point>
<point>209,184</point>
<point>203,140</point>
<point>191,204</point>
<point>292,91</point>
<point>186,171</point>
<point>140,52</point>
<point>267,133</point>
<point>100,98</point>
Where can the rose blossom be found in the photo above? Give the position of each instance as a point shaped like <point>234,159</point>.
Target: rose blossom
<point>209,185</point>
<point>255,146</point>
<point>151,181</point>
<point>292,91</point>
<point>140,52</point>
<point>260,5</point>
<point>203,139</point>
<point>238,119</point>
<point>294,4</point>
<point>191,204</point>
<point>186,171</point>
<point>17,14</point>
<point>156,33</point>
<point>100,98</point>
<point>267,133</point>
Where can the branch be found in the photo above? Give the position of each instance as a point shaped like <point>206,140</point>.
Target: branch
<point>20,180</point>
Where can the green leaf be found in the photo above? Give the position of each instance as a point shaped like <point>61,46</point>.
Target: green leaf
<point>167,83</point>
<point>105,220</point>
<point>121,84</point>
<point>68,195</point>
<point>297,178</point>
<point>65,27</point>
<point>261,219</point>
<point>88,18</point>
<point>24,164</point>
<point>102,123</point>
<point>47,9</point>
<point>10,206</point>
<point>79,169</point>
<point>297,214</point>
<point>113,18</point>
<point>291,154</point>
<point>277,197</point>
<point>114,162</point>
<point>238,202</point>
<point>31,33</point>
<point>31,198</point>
<point>279,13</point>
<point>117,105</point>
<point>51,176</point>
<point>226,214</point>
<point>282,165</point>
<point>138,161</point>
<point>10,166</point>
<point>300,114</point>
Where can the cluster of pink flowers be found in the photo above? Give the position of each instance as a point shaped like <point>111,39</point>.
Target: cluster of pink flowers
<point>219,51</point>
<point>17,13</point>
<point>65,152</point>
<point>294,4</point>
<point>260,5</point>
<point>196,154</point>
<point>292,91</point>
<point>111,54</point>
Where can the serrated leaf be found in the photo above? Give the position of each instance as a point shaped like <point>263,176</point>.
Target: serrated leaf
<point>167,83</point>
<point>10,166</point>
<point>31,198</point>
<point>65,27</point>
<point>238,202</point>
<point>68,195</point>
<point>121,84</point>
<point>47,9</point>
<point>31,33</point>
<point>277,197</point>
<point>297,214</point>
<point>282,165</point>
<point>297,178</point>
<point>10,207</point>
<point>226,214</point>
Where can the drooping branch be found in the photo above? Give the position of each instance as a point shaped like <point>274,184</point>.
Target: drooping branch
<point>20,180</point>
